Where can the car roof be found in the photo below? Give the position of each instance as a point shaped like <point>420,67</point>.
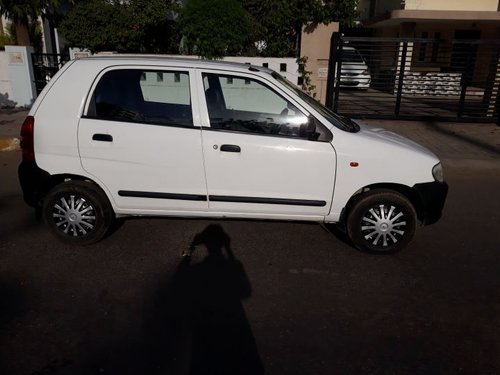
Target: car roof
<point>184,62</point>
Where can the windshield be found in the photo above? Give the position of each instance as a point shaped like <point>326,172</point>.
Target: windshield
<point>341,122</point>
<point>351,55</point>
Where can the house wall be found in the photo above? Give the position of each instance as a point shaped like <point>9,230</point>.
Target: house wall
<point>379,7</point>
<point>464,5</point>
<point>316,47</point>
<point>487,32</point>
<point>5,82</point>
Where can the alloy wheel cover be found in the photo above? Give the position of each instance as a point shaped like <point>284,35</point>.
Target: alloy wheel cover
<point>383,225</point>
<point>74,215</point>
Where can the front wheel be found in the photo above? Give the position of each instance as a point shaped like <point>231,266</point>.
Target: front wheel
<point>77,212</point>
<point>381,221</point>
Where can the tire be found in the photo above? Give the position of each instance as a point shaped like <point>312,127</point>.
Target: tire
<point>77,212</point>
<point>381,221</point>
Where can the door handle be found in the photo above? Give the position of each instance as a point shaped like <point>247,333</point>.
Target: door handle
<point>102,137</point>
<point>230,148</point>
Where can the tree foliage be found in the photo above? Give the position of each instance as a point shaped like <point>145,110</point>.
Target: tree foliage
<point>123,26</point>
<point>210,28</point>
<point>279,22</point>
<point>23,10</point>
<point>214,28</point>
<point>24,15</point>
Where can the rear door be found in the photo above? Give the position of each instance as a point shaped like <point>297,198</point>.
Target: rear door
<point>137,138</point>
<point>264,156</point>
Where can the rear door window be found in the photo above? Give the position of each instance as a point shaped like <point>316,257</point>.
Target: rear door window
<point>145,96</point>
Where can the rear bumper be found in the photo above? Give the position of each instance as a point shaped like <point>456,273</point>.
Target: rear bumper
<point>34,182</point>
<point>432,196</point>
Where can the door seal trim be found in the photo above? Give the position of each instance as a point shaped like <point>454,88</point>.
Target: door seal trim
<point>147,194</point>
<point>222,198</point>
<point>283,201</point>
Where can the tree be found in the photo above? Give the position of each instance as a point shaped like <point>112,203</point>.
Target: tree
<point>24,14</point>
<point>342,11</point>
<point>123,26</point>
<point>279,22</point>
<point>214,28</point>
<point>274,22</point>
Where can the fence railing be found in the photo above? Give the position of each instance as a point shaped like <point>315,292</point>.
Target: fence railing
<point>45,66</point>
<point>415,78</point>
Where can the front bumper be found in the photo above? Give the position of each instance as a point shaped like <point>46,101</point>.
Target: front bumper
<point>355,81</point>
<point>432,197</point>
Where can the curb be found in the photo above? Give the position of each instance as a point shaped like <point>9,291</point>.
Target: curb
<point>10,144</point>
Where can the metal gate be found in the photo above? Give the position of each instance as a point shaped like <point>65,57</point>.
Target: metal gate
<point>402,78</point>
<point>45,66</point>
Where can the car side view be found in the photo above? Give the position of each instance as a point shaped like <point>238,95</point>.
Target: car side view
<point>154,136</point>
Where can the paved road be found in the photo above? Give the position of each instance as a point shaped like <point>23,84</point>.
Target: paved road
<point>316,305</point>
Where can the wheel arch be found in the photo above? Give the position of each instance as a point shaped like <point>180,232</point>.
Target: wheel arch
<point>76,209</point>
<point>404,190</point>
<point>57,179</point>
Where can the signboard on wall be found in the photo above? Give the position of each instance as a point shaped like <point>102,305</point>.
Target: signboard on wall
<point>323,72</point>
<point>16,58</point>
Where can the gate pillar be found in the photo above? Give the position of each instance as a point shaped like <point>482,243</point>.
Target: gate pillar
<point>20,72</point>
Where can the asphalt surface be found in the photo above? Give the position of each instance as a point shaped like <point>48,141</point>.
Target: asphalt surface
<point>294,299</point>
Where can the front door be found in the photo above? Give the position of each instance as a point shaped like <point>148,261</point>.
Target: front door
<point>264,156</point>
<point>138,140</point>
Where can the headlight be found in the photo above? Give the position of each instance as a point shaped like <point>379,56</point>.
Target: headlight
<point>437,172</point>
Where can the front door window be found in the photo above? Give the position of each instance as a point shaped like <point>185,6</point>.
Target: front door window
<point>246,105</point>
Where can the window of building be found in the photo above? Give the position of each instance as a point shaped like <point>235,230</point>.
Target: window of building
<point>423,47</point>
<point>283,67</point>
<point>435,47</point>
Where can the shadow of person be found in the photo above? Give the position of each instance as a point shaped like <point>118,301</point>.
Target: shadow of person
<point>213,336</point>
<point>13,305</point>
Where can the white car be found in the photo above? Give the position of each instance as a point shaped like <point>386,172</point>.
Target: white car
<point>134,135</point>
<point>354,72</point>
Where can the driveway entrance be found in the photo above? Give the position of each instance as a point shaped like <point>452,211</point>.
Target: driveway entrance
<point>456,80</point>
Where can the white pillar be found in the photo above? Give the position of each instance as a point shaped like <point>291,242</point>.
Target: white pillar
<point>20,72</point>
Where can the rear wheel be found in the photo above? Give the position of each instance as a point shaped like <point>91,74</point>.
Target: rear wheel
<point>77,212</point>
<point>381,221</point>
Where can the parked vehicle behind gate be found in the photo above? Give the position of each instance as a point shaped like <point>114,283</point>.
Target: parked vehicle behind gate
<point>354,72</point>
<point>131,135</point>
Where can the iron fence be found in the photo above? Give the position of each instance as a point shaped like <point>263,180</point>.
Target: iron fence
<point>405,78</point>
<point>45,66</point>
